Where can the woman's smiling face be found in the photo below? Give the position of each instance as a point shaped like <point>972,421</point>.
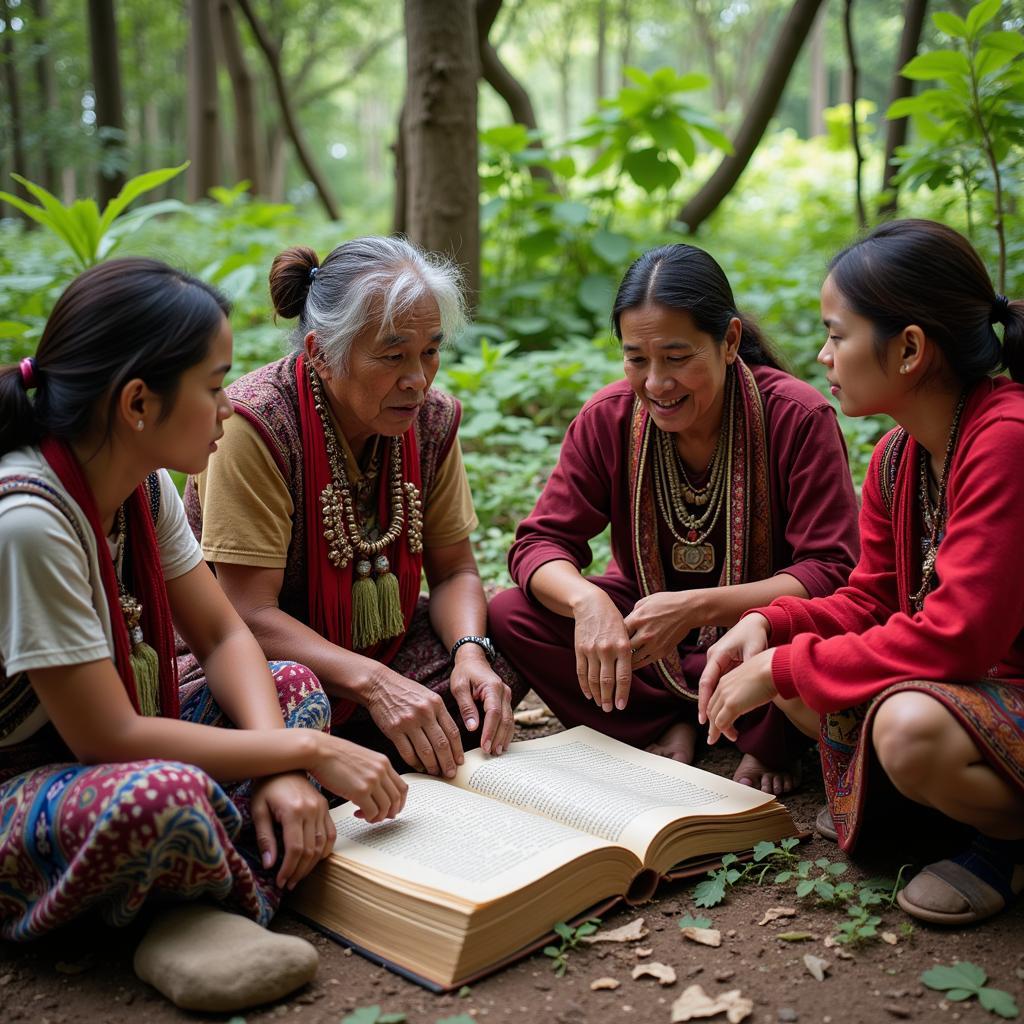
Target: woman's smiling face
<point>675,369</point>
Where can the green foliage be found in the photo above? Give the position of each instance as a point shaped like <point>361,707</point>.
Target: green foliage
<point>688,921</point>
<point>372,1015</point>
<point>570,939</point>
<point>89,235</point>
<point>962,980</point>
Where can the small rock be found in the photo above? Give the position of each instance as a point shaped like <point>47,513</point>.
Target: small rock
<point>897,1011</point>
<point>604,984</point>
<point>542,986</point>
<point>787,1015</point>
<point>816,966</point>
<point>7,978</point>
<point>724,975</point>
<point>693,971</point>
<point>643,951</point>
<point>705,936</point>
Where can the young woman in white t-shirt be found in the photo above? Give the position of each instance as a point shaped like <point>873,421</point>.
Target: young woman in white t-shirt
<point>116,789</point>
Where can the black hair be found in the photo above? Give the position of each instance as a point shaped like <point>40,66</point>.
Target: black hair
<point>119,320</point>
<point>686,278</point>
<point>921,272</point>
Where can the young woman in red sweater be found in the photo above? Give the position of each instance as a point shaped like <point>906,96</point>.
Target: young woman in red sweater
<point>921,657</point>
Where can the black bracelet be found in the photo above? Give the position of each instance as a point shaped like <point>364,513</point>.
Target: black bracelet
<point>480,641</point>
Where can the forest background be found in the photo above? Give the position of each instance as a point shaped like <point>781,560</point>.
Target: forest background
<point>543,143</point>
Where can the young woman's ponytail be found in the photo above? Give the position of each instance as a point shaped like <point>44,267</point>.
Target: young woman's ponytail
<point>1011,315</point>
<point>18,426</point>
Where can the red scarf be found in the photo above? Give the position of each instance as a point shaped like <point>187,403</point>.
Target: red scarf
<point>148,577</point>
<point>329,590</point>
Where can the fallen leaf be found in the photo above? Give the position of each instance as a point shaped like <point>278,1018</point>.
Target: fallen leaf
<point>816,966</point>
<point>705,936</point>
<point>533,718</point>
<point>889,937</point>
<point>695,1002</point>
<point>665,974</point>
<point>796,936</point>
<point>829,942</point>
<point>87,963</point>
<point>643,951</point>
<point>774,913</point>
<point>600,984</point>
<point>632,932</point>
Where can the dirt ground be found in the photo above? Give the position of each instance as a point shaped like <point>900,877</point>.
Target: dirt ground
<point>84,974</point>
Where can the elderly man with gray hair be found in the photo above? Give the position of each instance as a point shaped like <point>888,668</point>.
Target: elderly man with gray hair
<point>339,485</point>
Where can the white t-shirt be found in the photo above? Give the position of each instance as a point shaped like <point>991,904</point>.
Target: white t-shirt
<point>53,609</point>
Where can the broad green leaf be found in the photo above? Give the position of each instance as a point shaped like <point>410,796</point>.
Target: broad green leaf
<point>587,928</point>
<point>571,213</point>
<point>362,1015</point>
<point>995,1000</point>
<point>596,293</point>
<point>649,170</point>
<point>762,850</point>
<point>961,974</point>
<point>552,951</point>
<point>951,24</point>
<point>133,188</point>
<point>684,144</point>
<point>981,14</point>
<point>824,890</point>
<point>905,107</point>
<point>462,1018</point>
<point>715,137</point>
<point>12,329</point>
<point>987,61</point>
<point>611,247</point>
<point>1013,42</point>
<point>86,215</point>
<point>804,888</point>
<point>563,930</point>
<point>637,75</point>
<point>838,869</point>
<point>937,64</point>
<point>510,137</point>
<point>694,922</point>
<point>59,220</point>
<point>729,858</point>
<point>709,893</point>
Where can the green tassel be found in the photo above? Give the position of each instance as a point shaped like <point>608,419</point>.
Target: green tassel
<point>146,669</point>
<point>390,602</point>
<point>366,628</point>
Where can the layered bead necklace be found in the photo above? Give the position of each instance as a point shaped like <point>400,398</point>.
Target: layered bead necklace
<point>934,514</point>
<point>376,601</point>
<point>691,513</point>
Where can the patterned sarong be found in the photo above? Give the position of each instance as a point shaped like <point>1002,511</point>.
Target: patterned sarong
<point>991,713</point>
<point>75,838</point>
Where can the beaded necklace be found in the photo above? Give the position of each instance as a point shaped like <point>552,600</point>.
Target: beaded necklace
<point>674,493</point>
<point>934,515</point>
<point>376,603</point>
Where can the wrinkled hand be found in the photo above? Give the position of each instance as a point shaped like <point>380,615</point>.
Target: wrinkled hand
<point>748,637</point>
<point>417,722</point>
<point>307,831</point>
<point>473,683</point>
<point>738,692</point>
<point>659,622</point>
<point>603,660</point>
<point>360,775</point>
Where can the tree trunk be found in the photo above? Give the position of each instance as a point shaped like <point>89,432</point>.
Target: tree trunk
<point>47,83</point>
<point>442,186</point>
<point>291,125</point>
<point>16,129</point>
<point>248,164</point>
<point>602,49</point>
<point>106,82</point>
<point>203,106</point>
<point>504,83</point>
<point>709,44</point>
<point>818,96</point>
<point>896,130</point>
<point>399,219</point>
<point>858,158</point>
<point>626,51</point>
<point>762,105</point>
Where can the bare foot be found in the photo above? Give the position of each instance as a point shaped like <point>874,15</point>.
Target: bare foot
<point>677,742</point>
<point>751,772</point>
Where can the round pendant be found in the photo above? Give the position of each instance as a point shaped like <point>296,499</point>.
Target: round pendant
<point>363,568</point>
<point>381,564</point>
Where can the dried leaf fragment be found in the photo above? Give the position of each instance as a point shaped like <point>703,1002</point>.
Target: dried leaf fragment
<point>604,984</point>
<point>705,936</point>
<point>775,913</point>
<point>665,973</point>
<point>695,1003</point>
<point>889,938</point>
<point>533,718</point>
<point>643,950</point>
<point>632,932</point>
<point>796,936</point>
<point>816,966</point>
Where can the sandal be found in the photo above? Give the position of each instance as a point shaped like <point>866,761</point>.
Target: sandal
<point>967,888</point>
<point>824,825</point>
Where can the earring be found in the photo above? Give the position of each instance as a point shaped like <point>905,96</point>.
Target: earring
<point>140,424</point>
<point>903,369</point>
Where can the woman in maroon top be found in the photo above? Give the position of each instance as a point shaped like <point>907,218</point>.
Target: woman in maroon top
<point>921,657</point>
<point>725,483</point>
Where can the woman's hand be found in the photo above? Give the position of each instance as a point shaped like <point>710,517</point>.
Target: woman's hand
<point>738,692</point>
<point>416,721</point>
<point>748,637</point>
<point>474,682</point>
<point>603,659</point>
<point>307,831</point>
<point>659,622</point>
<point>357,774</point>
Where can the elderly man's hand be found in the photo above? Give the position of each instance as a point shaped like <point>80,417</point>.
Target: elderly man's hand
<point>473,683</point>
<point>417,722</point>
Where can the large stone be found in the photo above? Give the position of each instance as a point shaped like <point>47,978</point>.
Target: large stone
<point>202,958</point>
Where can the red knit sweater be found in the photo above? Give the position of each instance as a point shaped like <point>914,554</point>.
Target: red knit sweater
<point>839,651</point>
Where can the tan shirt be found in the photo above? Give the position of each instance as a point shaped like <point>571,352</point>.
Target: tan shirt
<point>247,505</point>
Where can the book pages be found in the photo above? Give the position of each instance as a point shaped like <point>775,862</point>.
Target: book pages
<point>460,842</point>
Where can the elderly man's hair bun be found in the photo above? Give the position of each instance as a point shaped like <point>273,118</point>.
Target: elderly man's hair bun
<point>291,275</point>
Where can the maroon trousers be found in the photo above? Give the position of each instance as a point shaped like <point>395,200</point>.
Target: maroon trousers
<point>540,646</point>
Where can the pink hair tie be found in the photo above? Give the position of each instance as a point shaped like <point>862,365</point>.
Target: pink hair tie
<point>28,372</point>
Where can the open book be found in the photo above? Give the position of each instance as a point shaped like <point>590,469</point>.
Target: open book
<point>475,869</point>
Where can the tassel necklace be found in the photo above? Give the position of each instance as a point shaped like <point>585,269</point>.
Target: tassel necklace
<point>144,659</point>
<point>376,600</point>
